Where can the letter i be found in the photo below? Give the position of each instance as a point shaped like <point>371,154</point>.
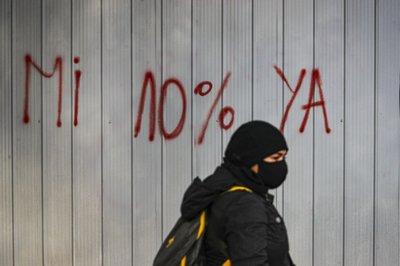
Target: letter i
<point>77,75</point>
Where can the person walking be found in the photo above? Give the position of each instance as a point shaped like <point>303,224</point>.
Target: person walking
<point>243,227</point>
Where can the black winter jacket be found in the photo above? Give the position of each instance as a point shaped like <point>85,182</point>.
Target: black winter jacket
<point>241,226</point>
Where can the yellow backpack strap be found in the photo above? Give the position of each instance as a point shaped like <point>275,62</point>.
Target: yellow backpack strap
<point>202,224</point>
<point>183,261</point>
<point>227,263</point>
<point>234,188</point>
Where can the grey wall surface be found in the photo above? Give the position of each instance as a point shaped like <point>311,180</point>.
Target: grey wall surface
<point>96,194</point>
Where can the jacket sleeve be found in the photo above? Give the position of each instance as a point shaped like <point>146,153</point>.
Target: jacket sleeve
<point>246,230</point>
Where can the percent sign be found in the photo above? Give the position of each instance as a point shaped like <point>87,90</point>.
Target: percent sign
<point>224,111</point>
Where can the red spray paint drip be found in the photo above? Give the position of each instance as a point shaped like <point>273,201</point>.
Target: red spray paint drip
<point>76,60</point>
<point>77,75</point>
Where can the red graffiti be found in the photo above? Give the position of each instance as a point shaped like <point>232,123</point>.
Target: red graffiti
<point>296,90</point>
<point>181,122</point>
<point>203,88</point>
<point>149,82</point>
<point>199,88</point>
<point>78,75</point>
<point>315,79</point>
<point>224,111</point>
<point>148,79</point>
<point>57,66</point>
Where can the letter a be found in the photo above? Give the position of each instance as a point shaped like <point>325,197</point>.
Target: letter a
<point>315,80</point>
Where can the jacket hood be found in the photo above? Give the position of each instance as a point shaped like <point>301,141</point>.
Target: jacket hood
<point>200,193</point>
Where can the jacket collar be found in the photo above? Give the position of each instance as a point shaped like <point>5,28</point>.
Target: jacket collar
<point>245,176</point>
<point>269,197</point>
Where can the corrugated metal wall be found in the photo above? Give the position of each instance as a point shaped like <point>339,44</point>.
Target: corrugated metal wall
<point>93,194</point>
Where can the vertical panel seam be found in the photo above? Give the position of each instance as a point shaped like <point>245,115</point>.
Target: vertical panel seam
<point>398,192</point>
<point>344,135</point>
<point>191,89</point>
<point>313,151</point>
<point>222,71</point>
<point>132,124</point>
<point>161,136</point>
<point>101,130</point>
<point>12,132</point>
<point>252,57</point>
<point>41,124</point>
<point>277,60</point>
<point>283,91</point>
<point>375,136</point>
<point>72,133</point>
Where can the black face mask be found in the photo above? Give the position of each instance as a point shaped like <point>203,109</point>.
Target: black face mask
<point>272,174</point>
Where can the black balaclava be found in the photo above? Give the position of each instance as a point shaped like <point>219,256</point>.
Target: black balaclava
<point>251,143</point>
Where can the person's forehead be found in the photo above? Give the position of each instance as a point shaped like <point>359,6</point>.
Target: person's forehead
<point>279,152</point>
<point>276,154</point>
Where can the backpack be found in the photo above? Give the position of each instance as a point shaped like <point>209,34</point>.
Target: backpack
<point>183,245</point>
